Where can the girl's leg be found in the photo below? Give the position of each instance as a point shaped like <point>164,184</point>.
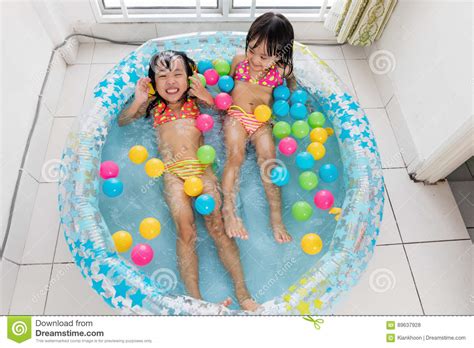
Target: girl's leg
<point>226,247</point>
<point>181,211</point>
<point>266,157</point>
<point>235,140</point>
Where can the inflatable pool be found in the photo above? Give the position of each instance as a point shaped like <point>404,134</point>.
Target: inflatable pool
<point>281,277</point>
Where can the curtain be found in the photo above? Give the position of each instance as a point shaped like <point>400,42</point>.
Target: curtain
<point>359,22</point>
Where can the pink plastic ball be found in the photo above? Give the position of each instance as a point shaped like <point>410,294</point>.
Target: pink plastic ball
<point>324,199</point>
<point>109,169</point>
<point>211,76</point>
<point>287,146</point>
<point>204,122</point>
<point>142,254</point>
<point>223,101</point>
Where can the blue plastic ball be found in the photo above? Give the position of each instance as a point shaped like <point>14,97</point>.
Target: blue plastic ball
<point>281,108</point>
<point>112,187</point>
<point>328,173</point>
<point>203,65</point>
<point>298,111</point>
<point>299,96</point>
<point>226,83</point>
<point>281,93</point>
<point>205,204</point>
<point>305,160</point>
<point>280,176</point>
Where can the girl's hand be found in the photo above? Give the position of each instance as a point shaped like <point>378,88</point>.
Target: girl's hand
<point>199,91</point>
<point>142,89</point>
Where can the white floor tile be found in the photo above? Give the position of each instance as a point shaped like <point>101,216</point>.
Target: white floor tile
<point>463,192</point>
<point>385,288</point>
<point>44,226</point>
<point>70,294</point>
<point>353,52</point>
<point>364,83</point>
<point>57,140</point>
<point>105,53</point>
<point>30,290</point>
<point>388,230</point>
<point>386,141</point>
<point>327,52</point>
<point>423,212</point>
<point>8,275</point>
<point>62,253</point>
<point>340,68</point>
<point>443,275</point>
<point>84,55</point>
<point>54,84</point>
<point>126,32</point>
<point>73,90</point>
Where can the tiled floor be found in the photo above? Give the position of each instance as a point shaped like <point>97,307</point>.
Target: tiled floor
<point>423,259</point>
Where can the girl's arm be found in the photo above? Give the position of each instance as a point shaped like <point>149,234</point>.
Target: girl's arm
<point>237,59</point>
<point>140,102</point>
<point>291,82</point>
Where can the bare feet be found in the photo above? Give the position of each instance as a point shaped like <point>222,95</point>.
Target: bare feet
<point>249,305</point>
<point>234,227</point>
<point>227,302</point>
<point>280,233</point>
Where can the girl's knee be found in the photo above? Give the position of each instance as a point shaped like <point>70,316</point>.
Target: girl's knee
<point>187,233</point>
<point>235,158</point>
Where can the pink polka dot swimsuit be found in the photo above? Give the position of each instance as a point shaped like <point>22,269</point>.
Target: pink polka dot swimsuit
<point>271,79</point>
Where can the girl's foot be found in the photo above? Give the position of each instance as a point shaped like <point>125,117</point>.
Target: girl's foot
<point>227,302</point>
<point>249,305</point>
<point>234,227</point>
<point>280,233</point>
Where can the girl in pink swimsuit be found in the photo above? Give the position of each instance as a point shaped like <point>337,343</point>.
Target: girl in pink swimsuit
<point>268,59</point>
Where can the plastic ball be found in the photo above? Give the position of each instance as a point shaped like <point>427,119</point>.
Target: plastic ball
<point>328,173</point>
<point>222,66</point>
<point>226,83</point>
<point>298,111</point>
<point>150,228</point>
<point>204,122</point>
<point>287,146</point>
<point>154,167</point>
<point>300,129</point>
<point>138,154</point>
<point>123,241</point>
<point>142,254</point>
<point>281,93</point>
<point>301,211</point>
<point>204,65</point>
<point>193,186</point>
<point>299,96</point>
<point>305,160</point>
<point>112,187</point>
<point>318,134</point>
<point>316,119</point>
<point>203,79</point>
<point>311,243</point>
<point>205,204</point>
<point>281,108</point>
<point>108,169</point>
<point>281,129</point>
<point>324,199</point>
<point>280,176</point>
<point>223,101</point>
<point>317,150</point>
<point>211,77</point>
<point>262,113</point>
<point>206,154</point>
<point>308,180</point>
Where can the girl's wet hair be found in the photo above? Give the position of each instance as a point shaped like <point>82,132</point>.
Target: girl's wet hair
<point>276,31</point>
<point>166,59</point>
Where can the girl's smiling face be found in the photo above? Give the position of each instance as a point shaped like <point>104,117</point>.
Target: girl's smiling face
<point>172,82</point>
<point>258,58</point>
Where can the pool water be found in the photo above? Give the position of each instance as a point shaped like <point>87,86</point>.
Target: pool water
<point>269,268</point>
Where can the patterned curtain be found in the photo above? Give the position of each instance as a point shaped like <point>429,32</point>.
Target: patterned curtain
<point>359,22</point>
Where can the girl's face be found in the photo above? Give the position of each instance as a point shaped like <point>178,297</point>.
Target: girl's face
<point>258,58</point>
<point>172,82</point>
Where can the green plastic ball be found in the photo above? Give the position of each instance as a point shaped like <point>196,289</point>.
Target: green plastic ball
<point>281,129</point>
<point>206,154</point>
<point>300,129</point>
<point>316,119</point>
<point>222,67</point>
<point>308,180</point>
<point>301,211</point>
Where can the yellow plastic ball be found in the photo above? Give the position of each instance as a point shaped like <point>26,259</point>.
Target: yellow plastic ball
<point>150,228</point>
<point>317,150</point>
<point>193,186</point>
<point>311,243</point>
<point>319,134</point>
<point>154,168</point>
<point>122,240</point>
<point>262,113</point>
<point>329,130</point>
<point>138,154</point>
